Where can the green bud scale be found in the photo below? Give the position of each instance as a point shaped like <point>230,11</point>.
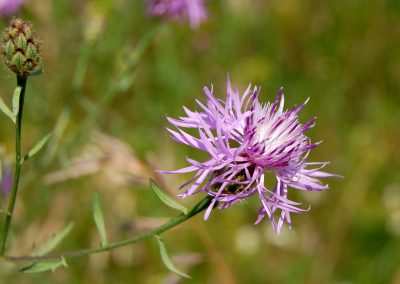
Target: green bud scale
<point>21,48</point>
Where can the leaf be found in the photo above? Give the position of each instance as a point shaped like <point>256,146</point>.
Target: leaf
<point>44,266</point>
<point>165,258</point>
<point>15,100</point>
<point>99,219</point>
<point>166,199</point>
<point>4,108</point>
<point>55,240</point>
<point>36,148</point>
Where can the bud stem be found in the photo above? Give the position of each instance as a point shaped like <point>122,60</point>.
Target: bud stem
<point>21,82</point>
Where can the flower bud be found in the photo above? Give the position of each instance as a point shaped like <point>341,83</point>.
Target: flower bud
<point>21,48</point>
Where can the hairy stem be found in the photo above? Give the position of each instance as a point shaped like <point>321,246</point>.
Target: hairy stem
<point>21,82</point>
<point>203,204</point>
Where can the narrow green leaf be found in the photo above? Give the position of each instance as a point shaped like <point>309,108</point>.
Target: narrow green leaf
<point>166,199</point>
<point>4,108</point>
<point>55,240</point>
<point>165,258</point>
<point>37,148</point>
<point>44,266</point>
<point>99,219</point>
<point>15,100</point>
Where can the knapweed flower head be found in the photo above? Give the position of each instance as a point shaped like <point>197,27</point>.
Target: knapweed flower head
<point>21,48</point>
<point>193,10</point>
<point>247,139</point>
<point>9,7</point>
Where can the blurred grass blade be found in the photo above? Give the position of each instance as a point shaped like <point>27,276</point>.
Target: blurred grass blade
<point>4,108</point>
<point>166,199</point>
<point>15,100</point>
<point>44,266</point>
<point>165,258</point>
<point>55,240</point>
<point>37,148</point>
<point>99,219</point>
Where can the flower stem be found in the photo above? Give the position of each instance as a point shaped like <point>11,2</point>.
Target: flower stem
<point>203,204</point>
<point>21,82</point>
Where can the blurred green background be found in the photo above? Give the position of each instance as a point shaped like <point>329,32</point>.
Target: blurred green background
<point>107,91</point>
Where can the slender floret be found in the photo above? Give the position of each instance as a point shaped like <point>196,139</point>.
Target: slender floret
<point>245,140</point>
<point>193,10</point>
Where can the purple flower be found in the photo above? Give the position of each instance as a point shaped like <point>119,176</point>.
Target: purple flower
<point>9,7</point>
<point>245,140</point>
<point>194,10</point>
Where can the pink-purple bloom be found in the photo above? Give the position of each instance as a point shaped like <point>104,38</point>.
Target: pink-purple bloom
<point>193,10</point>
<point>9,7</point>
<point>246,139</point>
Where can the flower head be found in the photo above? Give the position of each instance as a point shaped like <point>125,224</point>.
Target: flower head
<point>21,48</point>
<point>9,7</point>
<point>246,139</point>
<point>194,10</point>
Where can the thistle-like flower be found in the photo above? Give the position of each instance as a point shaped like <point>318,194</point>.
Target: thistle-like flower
<point>246,139</point>
<point>9,7</point>
<point>194,10</point>
<point>21,48</point>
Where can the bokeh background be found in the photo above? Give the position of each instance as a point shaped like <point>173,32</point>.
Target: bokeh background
<point>112,75</point>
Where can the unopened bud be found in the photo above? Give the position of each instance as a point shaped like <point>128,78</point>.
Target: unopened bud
<point>21,48</point>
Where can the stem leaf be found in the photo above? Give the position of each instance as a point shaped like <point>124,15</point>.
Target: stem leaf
<point>4,108</point>
<point>167,261</point>
<point>44,266</point>
<point>36,148</point>
<point>15,100</point>
<point>55,240</point>
<point>99,219</point>
<point>166,199</point>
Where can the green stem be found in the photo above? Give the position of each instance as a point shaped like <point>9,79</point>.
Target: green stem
<point>203,204</point>
<point>21,82</point>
